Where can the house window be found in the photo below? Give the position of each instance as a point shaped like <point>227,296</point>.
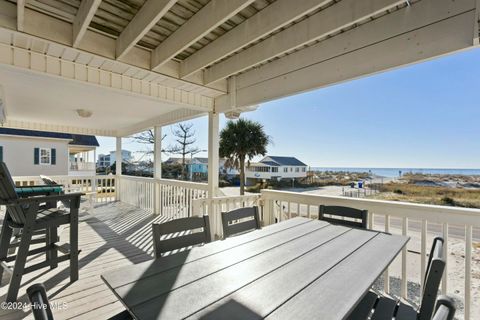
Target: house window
<point>304,169</point>
<point>274,169</point>
<point>297,169</point>
<point>291,169</point>
<point>45,156</point>
<point>285,169</point>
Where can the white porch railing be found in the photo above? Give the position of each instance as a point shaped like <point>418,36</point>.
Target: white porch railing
<point>82,166</point>
<point>420,222</point>
<point>214,207</point>
<point>172,198</point>
<point>458,226</point>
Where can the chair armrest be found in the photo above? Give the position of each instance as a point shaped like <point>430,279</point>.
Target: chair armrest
<point>56,197</point>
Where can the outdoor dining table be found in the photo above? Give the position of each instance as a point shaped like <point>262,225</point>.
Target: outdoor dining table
<point>296,269</point>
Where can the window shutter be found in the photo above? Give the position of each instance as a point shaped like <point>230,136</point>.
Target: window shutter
<point>1,154</point>
<point>36,156</point>
<point>53,155</point>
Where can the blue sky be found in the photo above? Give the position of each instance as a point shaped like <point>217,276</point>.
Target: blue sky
<point>424,116</point>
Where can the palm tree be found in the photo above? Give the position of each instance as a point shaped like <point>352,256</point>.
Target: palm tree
<point>242,140</point>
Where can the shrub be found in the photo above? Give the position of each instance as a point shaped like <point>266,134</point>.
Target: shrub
<point>448,201</point>
<point>398,191</point>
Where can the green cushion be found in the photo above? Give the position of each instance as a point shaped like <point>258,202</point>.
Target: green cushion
<point>33,190</point>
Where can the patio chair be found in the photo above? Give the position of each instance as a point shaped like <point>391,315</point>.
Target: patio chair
<point>335,213</point>
<point>179,234</point>
<point>41,308</point>
<point>445,309</point>
<point>239,221</point>
<point>30,214</point>
<point>387,308</point>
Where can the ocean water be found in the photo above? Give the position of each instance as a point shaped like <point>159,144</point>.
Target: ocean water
<point>395,172</point>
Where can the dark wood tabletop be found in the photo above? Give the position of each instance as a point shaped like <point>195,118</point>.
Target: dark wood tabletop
<point>296,269</point>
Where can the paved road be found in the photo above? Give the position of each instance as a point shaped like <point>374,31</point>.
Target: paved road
<point>453,231</point>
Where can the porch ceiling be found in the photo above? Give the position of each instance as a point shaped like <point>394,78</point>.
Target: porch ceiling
<point>222,55</point>
<point>114,112</point>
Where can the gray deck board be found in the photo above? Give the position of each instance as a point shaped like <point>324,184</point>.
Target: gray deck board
<point>273,275</point>
<point>114,235</point>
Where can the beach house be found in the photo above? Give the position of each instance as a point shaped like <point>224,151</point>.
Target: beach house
<point>116,68</point>
<point>31,152</point>
<point>275,168</point>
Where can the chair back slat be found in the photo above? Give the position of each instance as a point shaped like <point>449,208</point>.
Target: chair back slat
<point>335,213</point>
<point>7,193</point>
<point>181,234</point>
<point>231,225</point>
<point>445,309</point>
<point>433,276</point>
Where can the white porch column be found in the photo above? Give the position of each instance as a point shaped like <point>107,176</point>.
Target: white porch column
<point>213,154</point>
<point>157,167</point>
<point>157,153</point>
<point>118,168</point>
<point>118,157</point>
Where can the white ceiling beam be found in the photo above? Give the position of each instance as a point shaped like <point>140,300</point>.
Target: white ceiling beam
<point>333,19</point>
<point>476,27</point>
<point>85,14</point>
<point>56,32</point>
<point>142,22</point>
<point>275,16</point>
<point>20,14</point>
<point>208,18</point>
<point>427,29</point>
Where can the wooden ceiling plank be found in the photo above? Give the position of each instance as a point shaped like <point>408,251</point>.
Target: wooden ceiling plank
<point>142,22</point>
<point>208,18</point>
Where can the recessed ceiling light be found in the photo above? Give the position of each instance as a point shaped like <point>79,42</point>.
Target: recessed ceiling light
<point>84,113</point>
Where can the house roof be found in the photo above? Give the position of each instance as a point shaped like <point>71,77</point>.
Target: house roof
<point>76,139</point>
<point>201,160</point>
<point>177,160</point>
<point>283,161</point>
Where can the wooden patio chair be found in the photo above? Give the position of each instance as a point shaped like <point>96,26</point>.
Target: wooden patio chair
<point>335,213</point>
<point>445,309</point>
<point>30,215</point>
<point>179,234</point>
<point>239,221</point>
<point>387,308</point>
<point>41,308</point>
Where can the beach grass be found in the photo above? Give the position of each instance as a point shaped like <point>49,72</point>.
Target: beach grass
<point>458,197</point>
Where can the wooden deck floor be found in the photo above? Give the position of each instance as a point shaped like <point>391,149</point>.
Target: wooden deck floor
<point>113,235</point>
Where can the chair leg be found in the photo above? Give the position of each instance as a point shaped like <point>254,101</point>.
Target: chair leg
<point>51,254</point>
<point>20,263</point>
<point>5,238</point>
<point>73,244</point>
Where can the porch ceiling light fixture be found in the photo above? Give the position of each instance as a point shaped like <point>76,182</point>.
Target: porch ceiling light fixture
<point>84,113</point>
<point>232,115</point>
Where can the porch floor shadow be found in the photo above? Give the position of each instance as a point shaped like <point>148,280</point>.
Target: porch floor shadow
<point>111,236</point>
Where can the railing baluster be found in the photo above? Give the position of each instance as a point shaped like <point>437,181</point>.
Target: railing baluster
<point>468,270</point>
<point>423,254</point>
<point>445,253</point>
<point>386,276</point>
<point>403,289</point>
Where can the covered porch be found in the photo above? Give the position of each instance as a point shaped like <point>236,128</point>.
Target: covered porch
<point>101,68</point>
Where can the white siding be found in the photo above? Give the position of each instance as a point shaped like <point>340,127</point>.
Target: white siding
<point>18,155</point>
